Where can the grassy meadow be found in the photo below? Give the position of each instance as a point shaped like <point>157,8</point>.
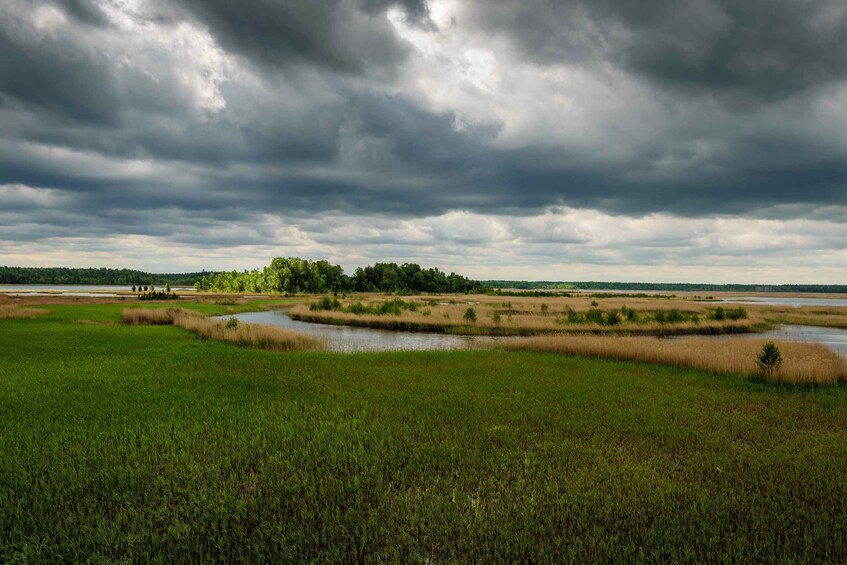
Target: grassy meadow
<point>126,442</point>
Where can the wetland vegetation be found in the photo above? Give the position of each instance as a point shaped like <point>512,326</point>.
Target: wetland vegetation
<point>127,438</point>
<point>126,442</point>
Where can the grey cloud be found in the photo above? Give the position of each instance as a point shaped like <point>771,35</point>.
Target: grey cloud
<point>338,35</point>
<point>741,51</point>
<point>302,142</point>
<point>86,11</point>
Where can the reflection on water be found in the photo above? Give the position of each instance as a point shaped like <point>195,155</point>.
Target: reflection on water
<point>348,339</point>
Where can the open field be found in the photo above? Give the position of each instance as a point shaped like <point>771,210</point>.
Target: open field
<point>804,363</point>
<point>143,443</point>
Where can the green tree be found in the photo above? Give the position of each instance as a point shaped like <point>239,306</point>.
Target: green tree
<point>470,315</point>
<point>769,360</point>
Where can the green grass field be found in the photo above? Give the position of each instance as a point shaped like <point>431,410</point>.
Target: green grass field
<point>147,444</point>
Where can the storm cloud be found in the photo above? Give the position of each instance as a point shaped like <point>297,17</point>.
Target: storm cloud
<point>213,125</point>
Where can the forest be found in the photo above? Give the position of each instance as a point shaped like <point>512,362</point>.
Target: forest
<point>101,276</point>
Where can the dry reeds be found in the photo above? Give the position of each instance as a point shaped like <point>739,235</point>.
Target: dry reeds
<point>804,363</point>
<point>251,335</point>
<point>13,312</point>
<point>530,316</point>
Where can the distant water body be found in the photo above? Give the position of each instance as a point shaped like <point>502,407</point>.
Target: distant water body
<point>101,290</point>
<point>781,301</point>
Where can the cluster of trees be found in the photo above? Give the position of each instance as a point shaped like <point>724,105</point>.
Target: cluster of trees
<point>294,275</point>
<point>65,275</point>
<point>290,275</point>
<point>411,278</point>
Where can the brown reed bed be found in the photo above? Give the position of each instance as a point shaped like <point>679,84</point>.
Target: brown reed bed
<point>804,363</point>
<point>14,312</point>
<point>250,335</point>
<point>507,316</point>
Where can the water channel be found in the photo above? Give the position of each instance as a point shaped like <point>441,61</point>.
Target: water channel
<point>352,338</point>
<point>349,339</point>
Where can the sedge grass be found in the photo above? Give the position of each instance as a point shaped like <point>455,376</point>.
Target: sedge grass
<point>804,363</point>
<point>12,312</point>
<point>251,335</point>
<point>135,443</point>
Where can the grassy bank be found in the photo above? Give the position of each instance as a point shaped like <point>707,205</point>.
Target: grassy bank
<point>142,443</point>
<point>804,363</point>
<point>250,335</point>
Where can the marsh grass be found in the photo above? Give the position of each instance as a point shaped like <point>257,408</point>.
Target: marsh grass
<point>531,315</point>
<point>804,363</point>
<point>13,312</point>
<point>250,335</point>
<point>142,444</point>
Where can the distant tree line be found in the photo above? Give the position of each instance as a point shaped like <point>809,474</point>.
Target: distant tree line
<point>674,287</point>
<point>294,275</point>
<point>65,275</point>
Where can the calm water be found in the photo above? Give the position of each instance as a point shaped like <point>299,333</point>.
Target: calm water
<point>781,301</point>
<point>833,338</point>
<point>348,339</point>
<point>103,291</point>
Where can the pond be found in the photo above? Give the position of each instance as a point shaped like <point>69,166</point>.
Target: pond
<point>349,339</point>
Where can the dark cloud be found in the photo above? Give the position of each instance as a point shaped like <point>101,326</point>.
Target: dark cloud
<point>126,132</point>
<point>338,35</point>
<point>86,11</point>
<point>743,51</point>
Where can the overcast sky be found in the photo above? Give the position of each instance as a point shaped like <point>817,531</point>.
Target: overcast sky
<point>658,140</point>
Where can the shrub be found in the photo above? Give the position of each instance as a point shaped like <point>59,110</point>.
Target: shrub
<point>470,315</point>
<point>613,318</point>
<point>325,303</point>
<point>232,323</point>
<point>544,308</point>
<point>496,318</point>
<point>736,314</point>
<point>717,314</point>
<point>769,360</point>
<point>675,316</point>
<point>595,316</point>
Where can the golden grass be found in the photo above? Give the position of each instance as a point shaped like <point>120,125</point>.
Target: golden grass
<point>13,312</point>
<point>804,363</point>
<point>824,316</point>
<point>251,335</point>
<point>528,316</point>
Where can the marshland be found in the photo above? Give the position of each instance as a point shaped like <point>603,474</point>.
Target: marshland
<point>587,426</point>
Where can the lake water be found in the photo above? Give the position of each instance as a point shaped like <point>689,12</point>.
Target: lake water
<point>835,339</point>
<point>783,301</point>
<point>102,291</point>
<point>349,339</point>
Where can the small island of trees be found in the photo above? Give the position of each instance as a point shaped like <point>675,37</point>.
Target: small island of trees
<point>293,275</point>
